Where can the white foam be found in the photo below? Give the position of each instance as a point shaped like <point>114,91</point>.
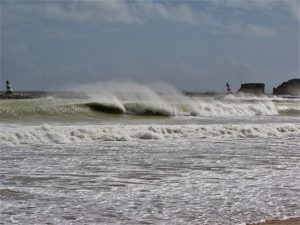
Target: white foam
<point>213,107</point>
<point>97,133</point>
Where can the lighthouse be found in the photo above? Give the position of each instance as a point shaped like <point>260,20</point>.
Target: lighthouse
<point>228,89</point>
<point>9,90</point>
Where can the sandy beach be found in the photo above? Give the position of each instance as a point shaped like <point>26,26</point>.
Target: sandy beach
<point>291,221</point>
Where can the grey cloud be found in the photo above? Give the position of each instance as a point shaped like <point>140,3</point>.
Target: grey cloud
<point>139,12</point>
<point>250,30</point>
<point>260,31</point>
<point>126,12</point>
<point>293,6</point>
<point>82,11</point>
<point>178,13</point>
<point>246,5</point>
<point>55,32</point>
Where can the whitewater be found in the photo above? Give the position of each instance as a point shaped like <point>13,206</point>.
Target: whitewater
<point>127,153</point>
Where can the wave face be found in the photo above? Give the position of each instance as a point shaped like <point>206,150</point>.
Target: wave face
<point>165,100</point>
<point>157,100</point>
<point>47,134</point>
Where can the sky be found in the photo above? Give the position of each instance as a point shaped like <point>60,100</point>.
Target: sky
<point>192,45</point>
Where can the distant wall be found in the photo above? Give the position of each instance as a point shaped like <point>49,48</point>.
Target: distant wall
<point>253,88</point>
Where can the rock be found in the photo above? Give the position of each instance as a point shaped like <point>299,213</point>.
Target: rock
<point>16,96</point>
<point>291,87</point>
<point>35,94</point>
<point>253,88</point>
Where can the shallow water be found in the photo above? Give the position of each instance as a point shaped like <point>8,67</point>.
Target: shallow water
<point>66,165</point>
<point>161,182</point>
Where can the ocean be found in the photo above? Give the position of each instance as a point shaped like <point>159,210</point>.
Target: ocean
<point>144,155</point>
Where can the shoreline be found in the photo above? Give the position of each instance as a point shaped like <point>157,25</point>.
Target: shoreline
<point>81,95</point>
<point>41,94</point>
<point>289,221</point>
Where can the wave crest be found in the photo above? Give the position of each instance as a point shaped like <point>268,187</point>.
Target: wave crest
<point>82,134</point>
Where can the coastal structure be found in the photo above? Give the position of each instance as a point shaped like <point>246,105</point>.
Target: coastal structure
<point>253,88</point>
<point>9,89</point>
<point>228,88</point>
<point>291,87</point>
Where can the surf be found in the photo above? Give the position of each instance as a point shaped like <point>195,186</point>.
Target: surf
<point>112,99</point>
<point>58,134</point>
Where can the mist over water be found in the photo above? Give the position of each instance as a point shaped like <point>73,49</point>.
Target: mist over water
<point>129,153</point>
<point>135,98</point>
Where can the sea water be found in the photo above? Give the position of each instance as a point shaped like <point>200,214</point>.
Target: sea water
<point>166,158</point>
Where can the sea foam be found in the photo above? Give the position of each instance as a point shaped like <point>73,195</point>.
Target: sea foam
<point>57,134</point>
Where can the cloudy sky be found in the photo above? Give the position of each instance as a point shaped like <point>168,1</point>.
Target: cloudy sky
<point>193,45</point>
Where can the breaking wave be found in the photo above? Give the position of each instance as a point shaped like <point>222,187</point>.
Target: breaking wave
<point>165,100</point>
<point>47,134</point>
<point>156,100</point>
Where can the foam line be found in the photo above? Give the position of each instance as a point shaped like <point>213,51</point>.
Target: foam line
<point>97,133</point>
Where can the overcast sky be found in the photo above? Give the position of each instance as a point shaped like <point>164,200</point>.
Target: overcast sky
<point>193,45</point>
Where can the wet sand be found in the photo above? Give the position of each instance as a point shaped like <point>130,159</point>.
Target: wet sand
<point>291,221</point>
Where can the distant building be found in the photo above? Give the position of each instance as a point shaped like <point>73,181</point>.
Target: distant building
<point>253,88</point>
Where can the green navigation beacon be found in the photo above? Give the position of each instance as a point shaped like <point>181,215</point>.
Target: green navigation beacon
<point>9,90</point>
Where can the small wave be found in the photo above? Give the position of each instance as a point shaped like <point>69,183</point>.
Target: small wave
<point>289,112</point>
<point>288,108</point>
<point>87,133</point>
<point>9,193</point>
<point>13,194</point>
<point>46,106</point>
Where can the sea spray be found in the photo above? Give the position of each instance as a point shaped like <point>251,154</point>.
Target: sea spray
<point>164,99</point>
<point>145,100</point>
<point>136,98</point>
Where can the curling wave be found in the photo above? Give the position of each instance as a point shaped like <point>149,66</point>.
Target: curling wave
<point>136,99</point>
<point>167,106</point>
